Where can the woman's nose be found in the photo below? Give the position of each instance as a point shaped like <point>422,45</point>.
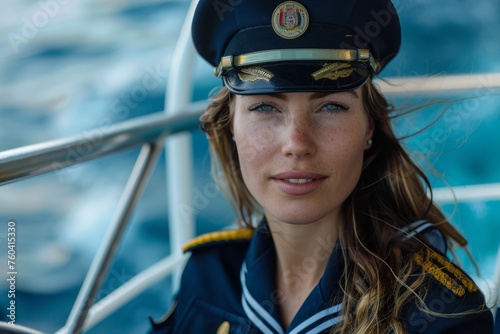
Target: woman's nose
<point>298,138</point>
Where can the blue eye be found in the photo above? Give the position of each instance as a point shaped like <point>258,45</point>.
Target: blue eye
<point>263,108</point>
<point>334,107</point>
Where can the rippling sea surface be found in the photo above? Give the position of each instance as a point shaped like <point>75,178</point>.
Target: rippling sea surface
<point>74,65</point>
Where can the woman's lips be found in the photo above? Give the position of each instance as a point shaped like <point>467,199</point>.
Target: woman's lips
<point>298,183</point>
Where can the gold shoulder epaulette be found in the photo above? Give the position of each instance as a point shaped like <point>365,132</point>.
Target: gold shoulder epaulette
<point>446,273</point>
<point>218,237</point>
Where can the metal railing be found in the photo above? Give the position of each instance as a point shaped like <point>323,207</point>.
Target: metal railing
<point>52,156</point>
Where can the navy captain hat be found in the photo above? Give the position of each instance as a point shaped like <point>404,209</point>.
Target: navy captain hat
<point>268,46</point>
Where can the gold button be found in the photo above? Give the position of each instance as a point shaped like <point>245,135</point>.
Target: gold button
<point>224,328</point>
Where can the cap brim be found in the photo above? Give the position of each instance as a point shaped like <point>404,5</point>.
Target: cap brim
<point>297,77</point>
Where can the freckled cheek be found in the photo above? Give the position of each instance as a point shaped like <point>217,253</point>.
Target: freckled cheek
<point>346,149</point>
<point>263,136</point>
<point>255,138</point>
<point>254,146</point>
<point>252,161</point>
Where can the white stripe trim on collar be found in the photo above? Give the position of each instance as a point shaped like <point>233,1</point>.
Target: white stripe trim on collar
<point>254,318</point>
<point>416,227</point>
<point>327,324</point>
<point>252,303</point>
<point>318,316</point>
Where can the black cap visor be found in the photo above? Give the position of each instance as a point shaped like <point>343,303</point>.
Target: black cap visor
<point>282,77</point>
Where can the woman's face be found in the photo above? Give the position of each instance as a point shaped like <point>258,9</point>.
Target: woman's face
<point>301,154</point>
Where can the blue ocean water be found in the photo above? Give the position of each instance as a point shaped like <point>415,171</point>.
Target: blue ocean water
<point>74,65</point>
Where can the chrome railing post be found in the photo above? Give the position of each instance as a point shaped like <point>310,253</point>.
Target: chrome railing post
<point>179,160</point>
<point>99,268</point>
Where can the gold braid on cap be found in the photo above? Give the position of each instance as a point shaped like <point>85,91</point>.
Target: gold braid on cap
<point>254,73</point>
<point>271,56</point>
<point>333,71</point>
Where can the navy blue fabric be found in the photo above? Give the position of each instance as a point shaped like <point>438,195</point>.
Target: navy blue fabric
<point>216,277</point>
<point>210,292</point>
<point>497,321</point>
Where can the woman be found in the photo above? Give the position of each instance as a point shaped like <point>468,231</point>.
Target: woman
<point>338,234</point>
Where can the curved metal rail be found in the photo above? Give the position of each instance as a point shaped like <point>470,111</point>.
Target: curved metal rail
<point>51,156</point>
<point>478,84</point>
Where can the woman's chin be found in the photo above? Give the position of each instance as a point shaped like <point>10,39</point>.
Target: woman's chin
<point>296,217</point>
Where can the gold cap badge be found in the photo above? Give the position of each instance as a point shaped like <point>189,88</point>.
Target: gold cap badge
<point>290,20</point>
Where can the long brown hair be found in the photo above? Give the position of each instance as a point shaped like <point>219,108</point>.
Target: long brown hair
<point>392,193</point>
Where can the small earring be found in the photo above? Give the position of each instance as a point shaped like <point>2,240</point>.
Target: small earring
<point>370,142</point>
<point>233,138</point>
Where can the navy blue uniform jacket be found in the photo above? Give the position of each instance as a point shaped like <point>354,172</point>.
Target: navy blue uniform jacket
<point>228,287</point>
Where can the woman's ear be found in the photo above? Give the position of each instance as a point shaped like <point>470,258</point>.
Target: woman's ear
<point>369,133</point>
